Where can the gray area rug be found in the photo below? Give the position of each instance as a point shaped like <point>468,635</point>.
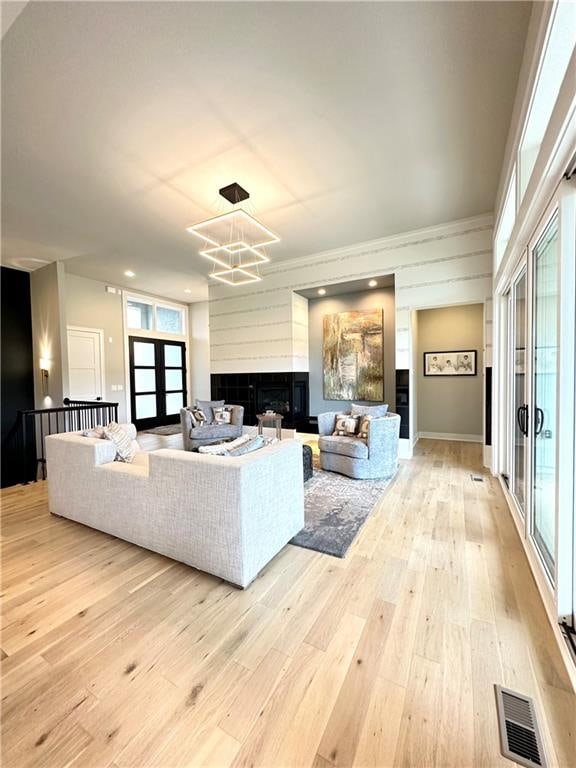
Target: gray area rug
<point>169,429</point>
<point>335,508</point>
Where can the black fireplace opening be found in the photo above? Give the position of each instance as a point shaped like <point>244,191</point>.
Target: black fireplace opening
<point>284,393</point>
<point>275,399</point>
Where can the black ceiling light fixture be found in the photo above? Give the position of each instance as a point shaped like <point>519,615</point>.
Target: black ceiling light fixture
<point>234,193</point>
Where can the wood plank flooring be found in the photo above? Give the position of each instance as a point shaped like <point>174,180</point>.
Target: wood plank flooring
<point>115,657</point>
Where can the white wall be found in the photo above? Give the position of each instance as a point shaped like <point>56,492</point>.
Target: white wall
<point>47,289</point>
<point>252,328</point>
<point>89,305</point>
<point>199,351</point>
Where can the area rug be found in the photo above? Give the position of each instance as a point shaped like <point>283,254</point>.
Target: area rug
<point>335,508</point>
<point>169,429</point>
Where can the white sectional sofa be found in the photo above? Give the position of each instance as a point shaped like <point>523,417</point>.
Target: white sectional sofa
<point>228,516</point>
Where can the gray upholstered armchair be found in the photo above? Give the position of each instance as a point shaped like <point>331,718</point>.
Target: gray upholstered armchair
<point>375,457</point>
<point>193,436</point>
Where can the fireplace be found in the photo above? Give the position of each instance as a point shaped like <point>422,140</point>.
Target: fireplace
<point>284,393</point>
<point>276,399</point>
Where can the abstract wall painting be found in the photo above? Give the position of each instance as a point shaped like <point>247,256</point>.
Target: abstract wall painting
<point>353,356</point>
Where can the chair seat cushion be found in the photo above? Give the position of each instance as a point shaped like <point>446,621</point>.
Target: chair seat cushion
<point>345,446</point>
<point>215,430</point>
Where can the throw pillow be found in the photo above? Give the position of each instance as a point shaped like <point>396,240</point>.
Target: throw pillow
<point>222,415</point>
<point>346,425</point>
<point>364,427</point>
<point>206,406</point>
<point>198,417</point>
<point>372,410</point>
<point>122,442</point>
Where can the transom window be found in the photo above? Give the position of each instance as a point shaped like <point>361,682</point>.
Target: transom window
<point>145,314</point>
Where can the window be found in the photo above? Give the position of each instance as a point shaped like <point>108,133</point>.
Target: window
<point>145,314</point>
<point>169,319</point>
<point>553,68</point>
<point>140,315</point>
<point>507,221</point>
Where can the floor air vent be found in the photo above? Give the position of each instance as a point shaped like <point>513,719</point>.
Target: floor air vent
<point>519,735</point>
<point>477,478</point>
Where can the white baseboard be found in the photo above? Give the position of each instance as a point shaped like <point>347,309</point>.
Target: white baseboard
<point>451,436</point>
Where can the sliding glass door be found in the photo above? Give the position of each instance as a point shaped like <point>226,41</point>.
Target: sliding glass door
<point>544,387</point>
<point>538,382</point>
<point>519,428</point>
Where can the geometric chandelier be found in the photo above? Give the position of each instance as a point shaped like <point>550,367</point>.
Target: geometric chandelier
<point>234,241</point>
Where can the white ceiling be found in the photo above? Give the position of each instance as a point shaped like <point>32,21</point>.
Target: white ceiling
<point>345,121</point>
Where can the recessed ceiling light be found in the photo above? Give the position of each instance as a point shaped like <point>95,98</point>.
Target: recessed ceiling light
<point>187,290</point>
<point>129,273</point>
<point>372,283</point>
<point>321,291</point>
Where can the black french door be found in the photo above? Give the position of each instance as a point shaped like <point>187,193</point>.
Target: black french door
<point>157,381</point>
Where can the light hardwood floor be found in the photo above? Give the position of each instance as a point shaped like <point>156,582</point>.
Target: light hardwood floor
<point>114,656</point>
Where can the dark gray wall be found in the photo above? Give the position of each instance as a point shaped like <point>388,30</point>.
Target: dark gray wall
<point>379,298</point>
<point>17,366</point>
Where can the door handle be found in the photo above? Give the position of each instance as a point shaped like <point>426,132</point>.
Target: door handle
<point>522,419</point>
<point>539,421</point>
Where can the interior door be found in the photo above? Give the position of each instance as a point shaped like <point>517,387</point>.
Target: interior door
<point>157,381</point>
<point>545,385</point>
<point>85,363</point>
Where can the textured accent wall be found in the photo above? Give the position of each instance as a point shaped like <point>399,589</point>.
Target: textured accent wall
<point>262,327</point>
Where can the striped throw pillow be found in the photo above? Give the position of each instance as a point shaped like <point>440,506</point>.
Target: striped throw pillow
<point>364,427</point>
<point>122,442</point>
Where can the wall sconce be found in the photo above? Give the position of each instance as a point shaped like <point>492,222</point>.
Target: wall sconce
<point>44,369</point>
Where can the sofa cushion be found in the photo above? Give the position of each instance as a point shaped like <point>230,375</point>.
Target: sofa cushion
<point>215,431</point>
<point>345,446</point>
<point>369,410</point>
<point>141,459</point>
<point>207,406</point>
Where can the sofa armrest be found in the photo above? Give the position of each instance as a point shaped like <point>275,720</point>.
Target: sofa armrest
<point>382,432</point>
<point>70,450</point>
<point>186,425</point>
<point>237,417</point>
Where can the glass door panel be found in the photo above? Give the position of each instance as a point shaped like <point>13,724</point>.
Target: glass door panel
<point>545,367</point>
<point>158,381</point>
<point>519,407</point>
